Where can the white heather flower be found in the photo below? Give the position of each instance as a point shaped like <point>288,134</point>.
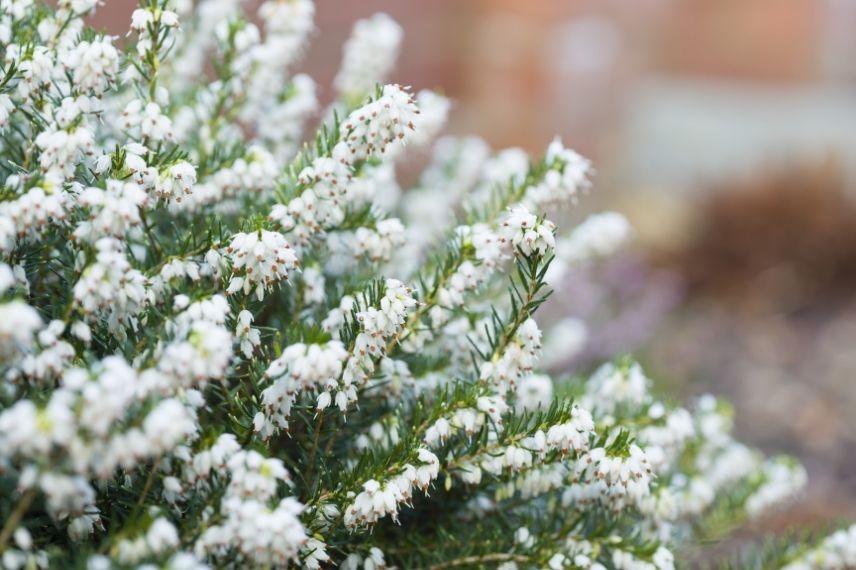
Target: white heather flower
<point>287,24</point>
<point>142,18</point>
<point>93,65</point>
<point>167,425</point>
<point>518,358</point>
<point>33,212</point>
<point>370,54</point>
<point>437,433</point>
<point>265,536</point>
<point>600,235</point>
<point>835,552</point>
<point>611,387</point>
<point>534,391</point>
<point>374,127</point>
<point>300,368</point>
<point>494,407</point>
<point>377,325</point>
<point>53,354</point>
<point>662,559</point>
<point>111,287</point>
<point>7,278</point>
<point>62,149</point>
<point>283,124</point>
<point>19,323</point>
<point>782,481</point>
<point>567,176</point>
<point>147,121</point>
<point>376,244</point>
<point>313,286</point>
<point>375,184</point>
<point>525,234</point>
<point>321,204</point>
<point>112,212</point>
<point>80,7</point>
<point>664,441</point>
<point>488,244</point>
<point>468,419</point>
<point>336,317</point>
<point>508,166</point>
<point>106,392</point>
<point>162,536</point>
<point>203,352</point>
<point>573,435</point>
<point>433,112</point>
<point>314,553</point>
<point>176,181</point>
<point>259,261</point>
<point>386,319</point>
<point>6,109</point>
<point>380,499</point>
<point>565,341</point>
<point>248,336</point>
<point>615,481</point>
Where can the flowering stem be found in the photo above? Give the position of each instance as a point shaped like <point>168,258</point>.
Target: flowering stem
<point>146,488</point>
<point>152,240</point>
<point>426,305</point>
<point>318,424</point>
<point>15,517</point>
<point>480,559</point>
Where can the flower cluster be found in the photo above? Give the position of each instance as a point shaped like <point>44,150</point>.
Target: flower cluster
<point>838,550</point>
<point>378,500</point>
<point>377,324</point>
<point>259,261</point>
<point>299,369</point>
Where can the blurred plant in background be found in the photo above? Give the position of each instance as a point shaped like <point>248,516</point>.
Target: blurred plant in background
<point>769,274</point>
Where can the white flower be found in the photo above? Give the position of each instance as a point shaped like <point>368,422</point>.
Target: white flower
<point>6,108</point>
<point>378,500</point>
<point>162,536</point>
<point>374,127</point>
<point>525,234</point>
<point>433,112</point>
<point>567,176</point>
<point>62,150</point>
<point>202,351</point>
<point>112,212</point>
<point>259,261</point>
<point>300,368</point>
<point>573,435</point>
<point>19,323</point>
<point>534,391</point>
<point>518,357</point>
<point>600,235</point>
<point>437,433</point>
<point>249,337</point>
<point>147,121</point>
<point>370,54</point>
<point>837,551</point>
<point>33,212</point>
<point>93,65</point>
<point>263,535</point>
<point>111,286</point>
<point>176,181</point>
<point>610,387</point>
<point>566,340</point>
<point>782,481</point>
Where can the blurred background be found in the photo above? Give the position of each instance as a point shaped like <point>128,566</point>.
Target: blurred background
<point>725,130</point>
